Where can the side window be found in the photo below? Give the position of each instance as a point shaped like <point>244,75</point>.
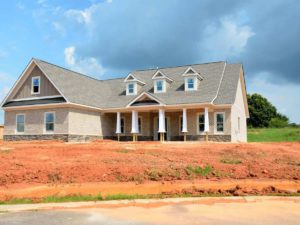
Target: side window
<point>35,86</point>
<point>122,125</point>
<point>140,125</point>
<point>131,89</point>
<point>20,123</point>
<point>49,121</point>
<point>201,123</point>
<point>219,122</point>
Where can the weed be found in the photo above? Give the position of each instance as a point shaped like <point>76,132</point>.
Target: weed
<point>54,177</point>
<point>123,151</point>
<point>154,174</point>
<point>137,178</point>
<point>231,161</point>
<point>125,196</point>
<point>198,170</point>
<point>72,198</point>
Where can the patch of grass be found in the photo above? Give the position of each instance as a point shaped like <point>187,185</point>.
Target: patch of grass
<point>123,151</point>
<point>125,196</point>
<point>231,161</point>
<point>274,134</point>
<point>72,198</point>
<point>198,170</point>
<point>17,201</point>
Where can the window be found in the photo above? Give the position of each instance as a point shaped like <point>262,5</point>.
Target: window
<point>190,83</point>
<point>131,89</point>
<point>140,125</point>
<point>201,123</point>
<point>35,89</point>
<point>49,121</point>
<point>219,122</point>
<point>159,86</point>
<point>20,123</point>
<point>122,126</point>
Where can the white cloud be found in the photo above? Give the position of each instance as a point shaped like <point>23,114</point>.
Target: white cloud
<point>109,1</point>
<point>82,16</point>
<point>59,28</point>
<point>230,39</point>
<point>41,2</point>
<point>89,65</point>
<point>284,97</point>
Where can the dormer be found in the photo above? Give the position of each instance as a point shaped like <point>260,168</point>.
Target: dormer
<point>132,84</point>
<point>160,82</point>
<point>191,79</point>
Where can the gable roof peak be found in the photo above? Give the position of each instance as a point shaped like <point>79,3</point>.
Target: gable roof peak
<point>190,71</point>
<point>160,75</point>
<point>131,78</point>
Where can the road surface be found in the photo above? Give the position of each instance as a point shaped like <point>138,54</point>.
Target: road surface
<point>239,210</point>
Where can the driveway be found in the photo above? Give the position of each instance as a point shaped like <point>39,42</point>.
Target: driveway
<point>239,210</point>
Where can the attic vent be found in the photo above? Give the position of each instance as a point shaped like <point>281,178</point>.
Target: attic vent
<point>130,78</point>
<point>159,74</point>
<point>190,71</point>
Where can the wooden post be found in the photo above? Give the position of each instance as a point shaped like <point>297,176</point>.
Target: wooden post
<point>118,137</point>
<point>206,136</point>
<point>184,137</point>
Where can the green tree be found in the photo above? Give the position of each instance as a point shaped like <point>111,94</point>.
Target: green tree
<point>262,112</point>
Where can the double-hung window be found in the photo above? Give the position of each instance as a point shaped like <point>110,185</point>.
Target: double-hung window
<point>201,123</point>
<point>219,122</point>
<point>190,83</point>
<point>49,121</point>
<point>20,123</point>
<point>35,86</point>
<point>159,86</point>
<point>131,89</point>
<point>122,125</point>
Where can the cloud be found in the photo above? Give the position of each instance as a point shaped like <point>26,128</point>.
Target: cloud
<point>82,16</point>
<point>89,65</point>
<point>59,28</point>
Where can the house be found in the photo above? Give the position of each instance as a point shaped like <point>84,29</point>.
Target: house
<point>1,131</point>
<point>195,102</point>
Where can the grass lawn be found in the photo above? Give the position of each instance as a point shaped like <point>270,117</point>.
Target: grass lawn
<point>273,134</point>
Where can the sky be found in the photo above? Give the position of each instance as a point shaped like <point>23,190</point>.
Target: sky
<point>110,38</point>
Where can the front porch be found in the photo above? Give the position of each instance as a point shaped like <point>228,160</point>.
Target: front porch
<point>166,124</point>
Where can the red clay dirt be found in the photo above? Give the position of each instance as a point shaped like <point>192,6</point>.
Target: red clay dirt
<point>48,163</point>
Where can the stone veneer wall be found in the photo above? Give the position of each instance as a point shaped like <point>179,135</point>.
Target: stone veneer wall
<point>58,137</point>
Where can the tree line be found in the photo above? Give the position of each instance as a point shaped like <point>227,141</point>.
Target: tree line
<point>264,114</point>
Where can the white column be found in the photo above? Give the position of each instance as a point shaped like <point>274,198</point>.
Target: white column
<point>118,125</point>
<point>134,122</point>
<point>206,120</point>
<point>161,122</point>
<point>184,121</point>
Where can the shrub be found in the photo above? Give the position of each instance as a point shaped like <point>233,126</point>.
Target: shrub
<point>278,123</point>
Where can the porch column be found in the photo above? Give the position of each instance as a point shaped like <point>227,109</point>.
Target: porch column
<point>118,125</point>
<point>161,124</point>
<point>206,122</point>
<point>184,123</point>
<point>134,124</point>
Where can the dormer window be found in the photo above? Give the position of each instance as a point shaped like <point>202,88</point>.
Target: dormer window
<point>159,86</point>
<point>131,89</point>
<point>160,82</point>
<point>133,85</point>
<point>35,85</point>
<point>192,79</point>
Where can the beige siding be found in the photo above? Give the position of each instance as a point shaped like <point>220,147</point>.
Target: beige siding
<point>1,131</point>
<point>46,88</point>
<point>238,111</point>
<point>34,121</point>
<point>83,122</point>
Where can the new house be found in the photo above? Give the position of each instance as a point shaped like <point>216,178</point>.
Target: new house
<point>201,102</point>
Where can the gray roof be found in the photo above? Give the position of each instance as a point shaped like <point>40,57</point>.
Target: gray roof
<point>81,89</point>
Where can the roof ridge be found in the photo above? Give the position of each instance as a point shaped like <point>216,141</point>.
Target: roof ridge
<point>80,74</point>
<point>168,67</point>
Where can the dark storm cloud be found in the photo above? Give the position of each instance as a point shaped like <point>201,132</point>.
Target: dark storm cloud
<point>141,34</point>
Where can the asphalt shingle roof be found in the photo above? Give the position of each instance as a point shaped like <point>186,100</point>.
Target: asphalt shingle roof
<point>82,89</point>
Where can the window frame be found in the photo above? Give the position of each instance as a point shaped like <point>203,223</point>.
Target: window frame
<point>163,86</point>
<point>186,84</point>
<point>32,85</point>
<point>140,126</point>
<point>215,123</point>
<point>16,130</point>
<point>45,123</point>
<point>197,123</point>
<point>134,88</point>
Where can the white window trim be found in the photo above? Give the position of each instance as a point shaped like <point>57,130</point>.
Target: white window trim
<point>32,79</point>
<point>163,87</point>
<point>134,88</point>
<point>186,87</point>
<point>122,117</point>
<point>215,123</point>
<point>54,119</point>
<point>197,123</point>
<point>16,129</point>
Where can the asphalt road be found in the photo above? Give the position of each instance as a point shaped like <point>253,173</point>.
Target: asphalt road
<point>250,210</point>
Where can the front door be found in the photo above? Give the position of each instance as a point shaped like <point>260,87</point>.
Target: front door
<point>166,134</point>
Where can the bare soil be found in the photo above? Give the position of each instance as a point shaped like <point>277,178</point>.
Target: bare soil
<point>47,163</point>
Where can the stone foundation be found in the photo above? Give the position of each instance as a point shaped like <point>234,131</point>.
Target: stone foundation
<point>58,137</point>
